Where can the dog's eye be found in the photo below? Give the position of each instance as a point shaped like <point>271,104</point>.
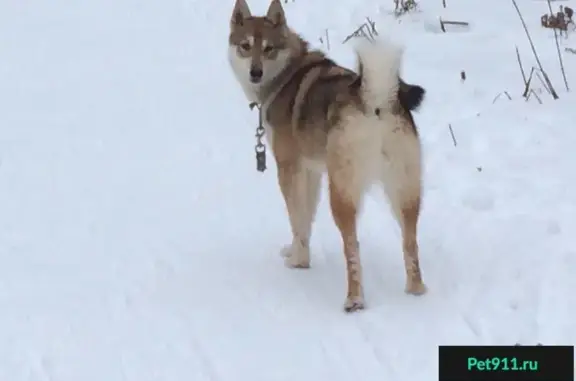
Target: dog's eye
<point>268,49</point>
<point>245,46</point>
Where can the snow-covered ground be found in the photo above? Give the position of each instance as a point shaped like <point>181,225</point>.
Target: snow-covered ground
<point>138,242</point>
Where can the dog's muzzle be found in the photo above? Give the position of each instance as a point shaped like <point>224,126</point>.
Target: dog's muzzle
<point>255,75</point>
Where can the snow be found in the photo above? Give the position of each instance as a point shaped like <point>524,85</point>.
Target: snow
<point>138,242</point>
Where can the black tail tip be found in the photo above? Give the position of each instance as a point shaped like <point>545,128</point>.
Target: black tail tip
<point>411,96</point>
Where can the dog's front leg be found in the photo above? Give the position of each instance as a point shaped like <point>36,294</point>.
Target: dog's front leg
<point>300,188</point>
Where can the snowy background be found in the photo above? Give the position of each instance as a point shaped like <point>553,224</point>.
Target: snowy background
<point>138,242</point>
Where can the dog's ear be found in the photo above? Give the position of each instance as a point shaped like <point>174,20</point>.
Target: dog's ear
<point>276,13</point>
<point>240,13</point>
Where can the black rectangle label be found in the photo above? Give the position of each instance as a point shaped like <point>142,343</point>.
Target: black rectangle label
<point>506,363</point>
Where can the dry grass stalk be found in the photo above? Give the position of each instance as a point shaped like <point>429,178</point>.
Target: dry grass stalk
<point>546,78</point>
<point>500,94</point>
<point>325,39</point>
<point>535,72</point>
<point>366,30</point>
<point>532,92</point>
<point>521,66</point>
<point>452,134</point>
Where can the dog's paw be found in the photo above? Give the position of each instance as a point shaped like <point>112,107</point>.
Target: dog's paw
<point>285,252</point>
<point>296,257</point>
<point>415,288</point>
<point>354,303</point>
<point>294,262</point>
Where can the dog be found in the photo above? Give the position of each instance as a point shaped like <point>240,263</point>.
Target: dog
<point>321,117</point>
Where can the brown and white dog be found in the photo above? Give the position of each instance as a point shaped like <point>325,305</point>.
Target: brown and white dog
<point>321,117</point>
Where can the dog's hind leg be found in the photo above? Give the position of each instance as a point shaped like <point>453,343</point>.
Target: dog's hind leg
<point>402,183</point>
<point>301,188</point>
<point>350,146</point>
<point>344,211</point>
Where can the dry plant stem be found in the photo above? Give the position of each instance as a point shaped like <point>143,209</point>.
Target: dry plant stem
<point>553,92</point>
<point>527,85</point>
<point>356,33</point>
<point>500,94</point>
<point>452,134</point>
<point>366,30</point>
<point>372,25</point>
<point>542,81</point>
<point>536,72</point>
<point>463,23</point>
<point>521,67</point>
<point>559,54</point>
<point>445,22</point>
<point>532,92</point>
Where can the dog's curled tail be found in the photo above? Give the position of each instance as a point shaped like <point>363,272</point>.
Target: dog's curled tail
<point>379,63</point>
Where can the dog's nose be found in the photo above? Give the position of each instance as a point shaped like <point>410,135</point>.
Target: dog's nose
<point>255,74</point>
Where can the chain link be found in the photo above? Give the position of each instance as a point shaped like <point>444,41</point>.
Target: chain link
<point>260,148</point>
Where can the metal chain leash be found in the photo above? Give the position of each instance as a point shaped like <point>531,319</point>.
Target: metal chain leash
<point>260,148</point>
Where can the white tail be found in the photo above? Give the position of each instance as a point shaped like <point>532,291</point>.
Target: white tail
<point>379,64</point>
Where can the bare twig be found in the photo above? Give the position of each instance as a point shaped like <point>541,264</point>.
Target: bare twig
<point>327,39</point>
<point>559,54</point>
<point>546,78</point>
<point>452,134</point>
<point>570,50</point>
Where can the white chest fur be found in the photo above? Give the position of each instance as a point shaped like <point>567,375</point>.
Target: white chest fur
<point>241,69</point>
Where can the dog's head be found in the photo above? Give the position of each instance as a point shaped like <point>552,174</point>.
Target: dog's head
<point>259,46</point>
